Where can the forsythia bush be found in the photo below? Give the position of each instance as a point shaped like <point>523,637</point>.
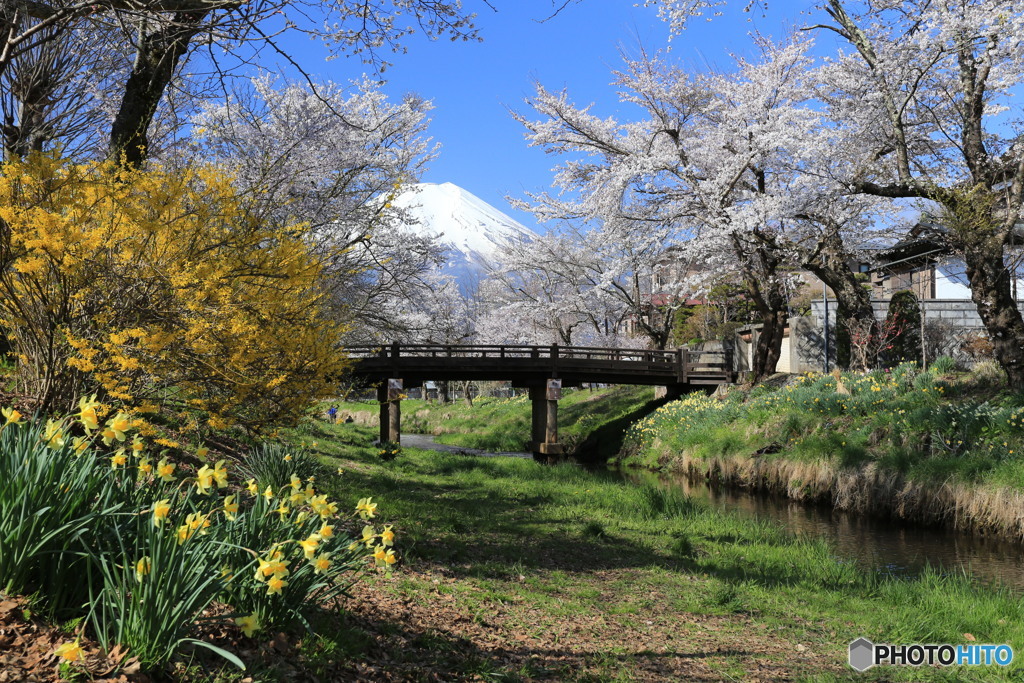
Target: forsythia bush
<point>158,284</point>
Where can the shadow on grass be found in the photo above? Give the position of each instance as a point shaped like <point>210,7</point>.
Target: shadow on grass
<point>606,441</point>
<point>365,645</point>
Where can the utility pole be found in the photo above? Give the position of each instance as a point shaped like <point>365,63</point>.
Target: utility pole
<point>824,296</point>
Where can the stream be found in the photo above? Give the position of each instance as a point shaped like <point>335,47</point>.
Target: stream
<point>888,546</point>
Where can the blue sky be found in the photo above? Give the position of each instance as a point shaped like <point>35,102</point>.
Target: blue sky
<point>472,85</point>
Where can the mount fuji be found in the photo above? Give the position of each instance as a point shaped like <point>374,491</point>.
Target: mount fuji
<point>471,229</point>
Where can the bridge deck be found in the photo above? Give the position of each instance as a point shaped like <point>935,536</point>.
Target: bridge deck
<point>530,365</point>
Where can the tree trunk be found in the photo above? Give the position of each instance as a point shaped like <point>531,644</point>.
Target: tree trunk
<point>991,293</point>
<point>769,342</point>
<point>466,387</point>
<point>157,58</point>
<point>855,317</point>
<point>760,274</point>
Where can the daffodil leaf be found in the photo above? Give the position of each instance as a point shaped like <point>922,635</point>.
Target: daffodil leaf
<point>219,650</point>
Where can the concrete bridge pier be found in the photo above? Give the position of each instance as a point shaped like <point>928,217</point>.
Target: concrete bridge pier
<point>544,411</point>
<point>389,395</point>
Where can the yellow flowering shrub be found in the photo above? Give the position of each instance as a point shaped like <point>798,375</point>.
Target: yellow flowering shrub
<point>128,283</point>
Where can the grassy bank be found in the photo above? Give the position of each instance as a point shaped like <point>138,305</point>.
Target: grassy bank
<point>924,446</point>
<point>590,422</point>
<point>518,571</point>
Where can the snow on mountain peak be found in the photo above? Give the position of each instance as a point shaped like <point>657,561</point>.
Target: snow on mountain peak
<point>463,222</point>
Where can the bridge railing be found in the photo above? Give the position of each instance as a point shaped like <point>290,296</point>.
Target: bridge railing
<point>511,351</point>
<point>684,364</point>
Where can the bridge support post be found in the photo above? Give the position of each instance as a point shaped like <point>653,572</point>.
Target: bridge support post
<point>389,397</point>
<point>544,412</point>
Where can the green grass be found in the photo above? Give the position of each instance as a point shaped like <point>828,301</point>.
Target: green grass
<point>534,548</point>
<point>930,428</point>
<point>590,422</point>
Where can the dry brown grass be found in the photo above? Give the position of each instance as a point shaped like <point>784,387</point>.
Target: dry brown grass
<point>866,490</point>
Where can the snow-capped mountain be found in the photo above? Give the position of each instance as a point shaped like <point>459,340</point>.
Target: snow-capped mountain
<point>471,228</point>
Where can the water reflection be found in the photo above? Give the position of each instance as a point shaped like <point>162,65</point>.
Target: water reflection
<point>886,545</point>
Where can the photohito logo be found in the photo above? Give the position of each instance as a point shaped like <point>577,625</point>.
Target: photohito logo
<point>864,654</point>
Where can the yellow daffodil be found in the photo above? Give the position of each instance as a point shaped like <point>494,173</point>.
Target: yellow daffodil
<point>12,416</point>
<point>204,479</point>
<point>137,445</point>
<point>322,507</point>
<point>268,493</point>
<point>220,474</point>
<point>183,533</point>
<point>142,568</point>
<point>296,483</point>
<point>341,470</point>
<point>387,537</point>
<point>283,510</point>
<point>161,509</point>
<point>70,652</point>
<point>389,557</point>
<point>118,459</point>
<point>297,498</point>
<point>202,451</point>
<point>53,434</point>
<point>252,487</point>
<point>310,545</point>
<point>165,470</point>
<point>119,424</point>
<point>79,444</point>
<point>275,584</point>
<point>87,413</point>
<point>326,531</point>
<point>379,553</point>
<point>301,518</point>
<point>145,466</point>
<point>322,563</point>
<point>369,533</point>
<point>249,625</point>
<point>197,521</point>
<point>272,566</point>
<point>108,436</point>
<point>366,508</point>
<point>230,507</point>
<point>310,479</point>
<point>288,457</point>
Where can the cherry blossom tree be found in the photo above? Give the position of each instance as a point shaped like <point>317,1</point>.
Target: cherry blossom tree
<point>334,159</point>
<point>920,107</point>
<point>707,172</point>
<point>921,110</point>
<point>548,285</point>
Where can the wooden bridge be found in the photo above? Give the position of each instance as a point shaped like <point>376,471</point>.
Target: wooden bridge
<point>544,370</point>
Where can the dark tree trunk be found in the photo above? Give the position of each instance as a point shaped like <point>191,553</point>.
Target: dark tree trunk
<point>830,263</point>
<point>156,60</point>
<point>761,277</point>
<point>991,293</point>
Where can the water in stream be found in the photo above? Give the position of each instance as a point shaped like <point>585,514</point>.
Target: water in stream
<point>888,546</point>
